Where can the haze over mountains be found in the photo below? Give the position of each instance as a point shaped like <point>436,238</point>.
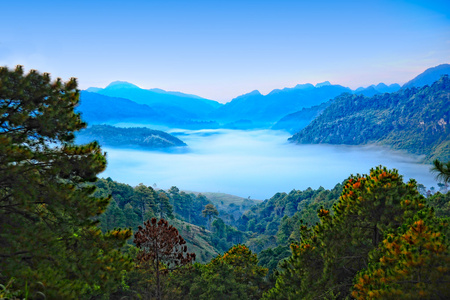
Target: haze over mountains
<point>290,109</point>
<point>251,110</point>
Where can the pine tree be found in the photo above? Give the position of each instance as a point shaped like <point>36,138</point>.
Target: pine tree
<point>163,207</point>
<point>144,198</point>
<point>442,171</point>
<point>335,250</point>
<point>210,212</point>
<point>412,261</point>
<point>48,231</point>
<point>162,250</point>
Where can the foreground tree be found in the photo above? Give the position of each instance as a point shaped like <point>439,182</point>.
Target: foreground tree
<point>48,232</point>
<point>442,171</point>
<point>162,250</point>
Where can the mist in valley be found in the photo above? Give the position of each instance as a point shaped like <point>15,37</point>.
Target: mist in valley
<point>256,164</point>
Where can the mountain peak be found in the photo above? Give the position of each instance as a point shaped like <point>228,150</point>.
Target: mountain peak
<point>321,84</point>
<point>381,86</point>
<point>252,93</point>
<point>121,85</point>
<point>304,86</point>
<point>93,89</point>
<point>428,77</point>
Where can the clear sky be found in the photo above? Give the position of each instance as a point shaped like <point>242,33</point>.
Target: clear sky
<point>222,49</point>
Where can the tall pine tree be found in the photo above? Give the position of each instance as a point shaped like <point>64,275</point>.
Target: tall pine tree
<point>48,232</point>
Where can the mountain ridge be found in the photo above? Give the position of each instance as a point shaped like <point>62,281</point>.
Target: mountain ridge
<point>248,111</point>
<point>413,119</point>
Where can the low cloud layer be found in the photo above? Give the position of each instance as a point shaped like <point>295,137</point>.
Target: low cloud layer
<point>254,163</point>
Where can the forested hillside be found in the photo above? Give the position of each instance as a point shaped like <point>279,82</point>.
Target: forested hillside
<point>137,137</point>
<point>415,120</point>
<point>205,231</point>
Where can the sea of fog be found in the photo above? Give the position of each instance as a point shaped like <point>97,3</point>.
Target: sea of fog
<point>254,164</point>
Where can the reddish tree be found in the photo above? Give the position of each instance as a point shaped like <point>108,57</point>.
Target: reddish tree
<point>161,248</point>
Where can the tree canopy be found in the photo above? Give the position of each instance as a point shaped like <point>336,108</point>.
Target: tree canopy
<point>369,213</point>
<point>48,232</point>
<point>162,250</point>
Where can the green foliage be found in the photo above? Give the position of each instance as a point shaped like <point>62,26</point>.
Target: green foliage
<point>210,212</point>
<point>48,232</point>
<point>441,204</point>
<point>230,207</point>
<point>276,221</point>
<point>225,236</point>
<point>199,240</point>
<point>330,254</point>
<point>233,275</point>
<point>132,204</point>
<point>442,171</point>
<point>143,202</point>
<point>271,257</point>
<point>412,261</point>
<point>303,204</point>
<point>413,119</point>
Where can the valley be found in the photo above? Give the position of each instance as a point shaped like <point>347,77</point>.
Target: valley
<point>254,163</point>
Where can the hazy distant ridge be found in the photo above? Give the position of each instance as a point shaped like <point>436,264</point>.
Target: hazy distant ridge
<point>428,77</point>
<point>171,103</point>
<point>290,109</point>
<point>278,103</point>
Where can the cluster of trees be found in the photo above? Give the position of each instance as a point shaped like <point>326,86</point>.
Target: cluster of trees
<point>382,242</point>
<point>60,235</point>
<point>132,206</point>
<point>274,222</point>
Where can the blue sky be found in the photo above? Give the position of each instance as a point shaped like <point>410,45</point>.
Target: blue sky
<point>222,49</point>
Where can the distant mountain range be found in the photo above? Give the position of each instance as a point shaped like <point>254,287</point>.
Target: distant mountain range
<point>290,109</point>
<point>405,117</point>
<point>296,121</point>
<point>96,108</point>
<point>173,104</point>
<point>263,109</point>
<point>380,88</point>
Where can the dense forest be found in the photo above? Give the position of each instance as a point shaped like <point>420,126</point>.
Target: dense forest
<point>65,234</point>
<point>413,119</point>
